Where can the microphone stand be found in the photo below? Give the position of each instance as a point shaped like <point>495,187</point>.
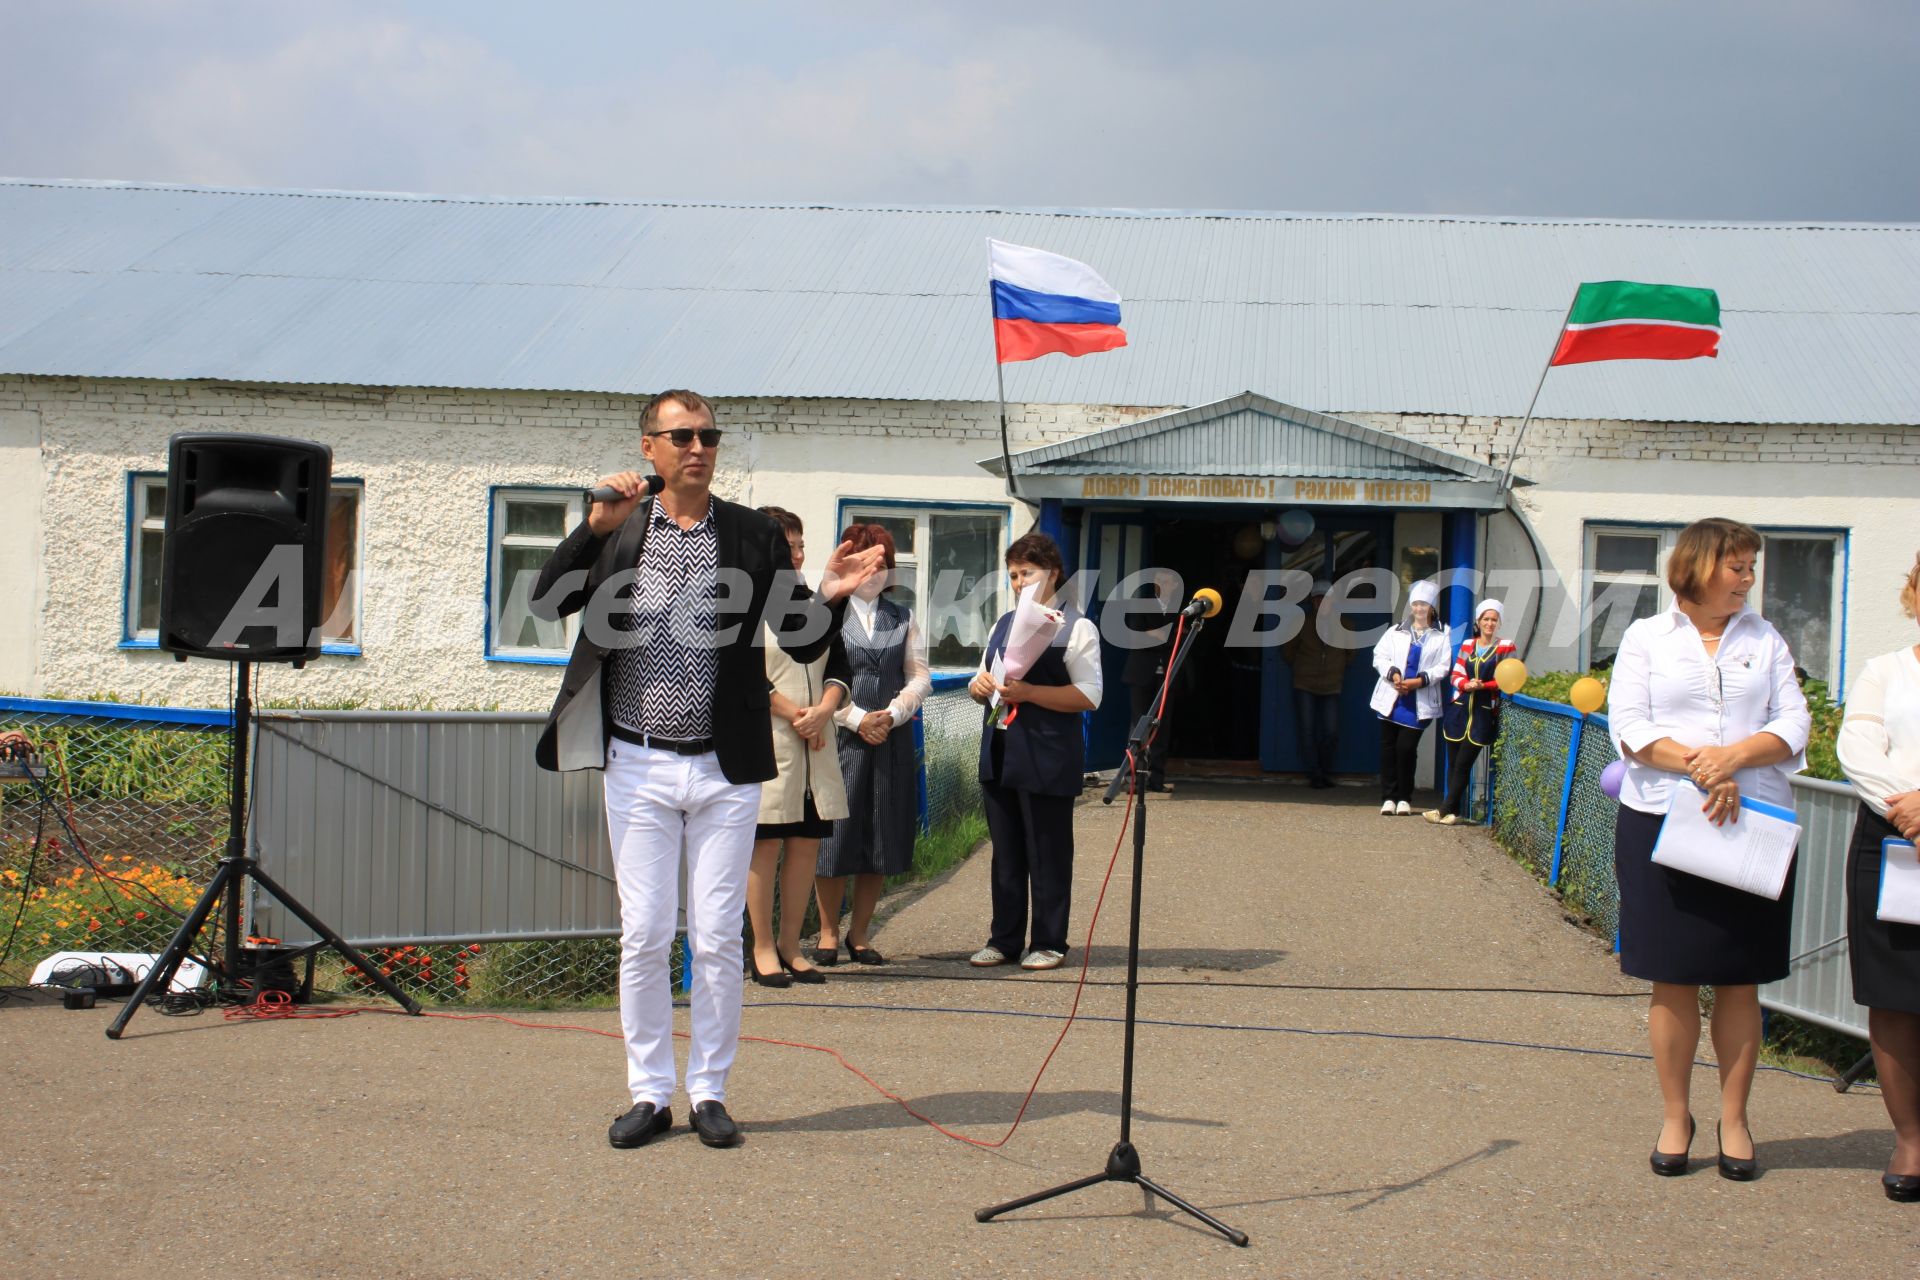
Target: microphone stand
<point>1123,1162</point>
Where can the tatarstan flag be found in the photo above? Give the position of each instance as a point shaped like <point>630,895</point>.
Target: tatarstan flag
<point>1626,320</point>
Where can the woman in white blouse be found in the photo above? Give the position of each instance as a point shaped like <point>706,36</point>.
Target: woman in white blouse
<point>887,659</point>
<point>1704,693</point>
<point>1879,748</point>
<point>1032,763</point>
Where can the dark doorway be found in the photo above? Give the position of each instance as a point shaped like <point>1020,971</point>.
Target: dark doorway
<point>1219,707</point>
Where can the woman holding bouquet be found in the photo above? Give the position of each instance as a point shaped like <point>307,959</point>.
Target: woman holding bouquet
<point>1032,756</point>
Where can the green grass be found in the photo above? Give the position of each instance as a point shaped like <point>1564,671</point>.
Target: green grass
<point>939,851</point>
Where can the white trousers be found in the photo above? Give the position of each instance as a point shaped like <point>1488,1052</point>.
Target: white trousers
<point>662,807</point>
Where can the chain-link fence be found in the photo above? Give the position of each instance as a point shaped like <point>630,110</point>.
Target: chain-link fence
<point>111,847</point>
<point>950,756</point>
<point>1586,842</point>
<point>145,794</point>
<point>1529,770</point>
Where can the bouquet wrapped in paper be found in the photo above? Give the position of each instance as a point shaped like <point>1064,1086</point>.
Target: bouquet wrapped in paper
<point>1034,627</point>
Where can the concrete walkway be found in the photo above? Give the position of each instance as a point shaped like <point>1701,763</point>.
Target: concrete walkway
<point>1312,1071</point>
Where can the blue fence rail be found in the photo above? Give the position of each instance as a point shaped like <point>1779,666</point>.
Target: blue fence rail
<point>1548,811</point>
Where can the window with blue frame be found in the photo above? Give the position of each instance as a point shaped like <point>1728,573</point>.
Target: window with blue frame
<point>146,544</point>
<point>948,568</point>
<point>1799,586</point>
<point>527,524</point>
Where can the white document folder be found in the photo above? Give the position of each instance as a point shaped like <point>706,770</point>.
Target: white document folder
<point>1753,854</point>
<point>1899,882</point>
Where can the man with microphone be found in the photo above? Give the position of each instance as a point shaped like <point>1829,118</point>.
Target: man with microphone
<point>666,691</point>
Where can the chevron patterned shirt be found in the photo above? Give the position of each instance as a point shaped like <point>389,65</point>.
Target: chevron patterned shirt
<point>664,686</point>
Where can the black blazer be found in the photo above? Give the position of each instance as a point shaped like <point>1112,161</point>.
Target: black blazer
<point>579,724</point>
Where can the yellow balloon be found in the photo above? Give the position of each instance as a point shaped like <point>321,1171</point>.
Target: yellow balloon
<point>1511,675</point>
<point>1587,694</point>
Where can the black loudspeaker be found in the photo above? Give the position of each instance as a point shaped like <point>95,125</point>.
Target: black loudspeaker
<point>244,559</point>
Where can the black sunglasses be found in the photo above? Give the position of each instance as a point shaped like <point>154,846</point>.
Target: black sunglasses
<point>683,436</point>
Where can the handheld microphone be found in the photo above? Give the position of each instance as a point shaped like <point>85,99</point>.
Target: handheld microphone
<point>1206,603</point>
<point>607,493</point>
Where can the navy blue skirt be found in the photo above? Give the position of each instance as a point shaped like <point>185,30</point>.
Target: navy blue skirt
<point>1885,953</point>
<point>1681,929</point>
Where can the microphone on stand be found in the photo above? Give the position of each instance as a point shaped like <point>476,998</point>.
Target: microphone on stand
<point>1206,603</point>
<point>653,484</point>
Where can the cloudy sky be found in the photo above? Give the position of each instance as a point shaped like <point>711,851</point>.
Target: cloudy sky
<point>1753,109</point>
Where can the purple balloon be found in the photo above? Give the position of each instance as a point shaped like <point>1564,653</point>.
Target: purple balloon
<point>1611,777</point>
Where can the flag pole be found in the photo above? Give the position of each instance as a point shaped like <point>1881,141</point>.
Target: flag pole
<point>1006,457</point>
<point>1506,480</point>
<point>1000,380</point>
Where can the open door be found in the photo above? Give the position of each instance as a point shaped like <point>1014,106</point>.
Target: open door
<point>1342,543</point>
<point>1117,547</point>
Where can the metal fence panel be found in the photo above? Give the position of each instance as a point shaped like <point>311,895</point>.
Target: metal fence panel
<point>426,827</point>
<point>1820,987</point>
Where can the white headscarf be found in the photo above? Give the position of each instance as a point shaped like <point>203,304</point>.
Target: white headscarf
<point>1484,606</point>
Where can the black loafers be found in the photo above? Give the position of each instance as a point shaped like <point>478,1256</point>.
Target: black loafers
<point>638,1127</point>
<point>865,955</point>
<point>715,1127</point>
<point>1903,1188</point>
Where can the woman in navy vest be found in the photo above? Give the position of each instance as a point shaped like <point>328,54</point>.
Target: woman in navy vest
<point>888,663</point>
<point>1031,763</point>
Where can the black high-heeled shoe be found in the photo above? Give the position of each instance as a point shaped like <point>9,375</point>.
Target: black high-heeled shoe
<point>774,979</point>
<point>1903,1188</point>
<point>1737,1170</point>
<point>812,977</point>
<point>1672,1166</point>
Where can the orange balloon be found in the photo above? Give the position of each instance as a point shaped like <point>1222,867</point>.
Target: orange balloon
<point>1587,694</point>
<point>1511,675</point>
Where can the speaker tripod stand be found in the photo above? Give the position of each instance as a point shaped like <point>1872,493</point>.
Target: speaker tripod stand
<point>1123,1162</point>
<point>229,882</point>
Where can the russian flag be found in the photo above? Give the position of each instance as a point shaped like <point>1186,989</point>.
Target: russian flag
<point>1043,302</point>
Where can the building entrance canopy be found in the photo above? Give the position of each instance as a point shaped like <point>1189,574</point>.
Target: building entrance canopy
<point>1252,449</point>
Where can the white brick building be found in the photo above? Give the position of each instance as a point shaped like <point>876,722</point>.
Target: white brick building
<point>473,363</point>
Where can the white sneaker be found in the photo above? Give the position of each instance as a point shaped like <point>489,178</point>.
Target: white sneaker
<point>1386,807</point>
<point>1402,809</point>
<point>1042,960</point>
<point>986,957</point>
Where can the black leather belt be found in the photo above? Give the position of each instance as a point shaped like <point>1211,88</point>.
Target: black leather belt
<point>679,746</point>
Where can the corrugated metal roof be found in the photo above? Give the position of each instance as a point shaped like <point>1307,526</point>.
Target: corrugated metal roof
<point>1349,313</point>
<point>1247,435</point>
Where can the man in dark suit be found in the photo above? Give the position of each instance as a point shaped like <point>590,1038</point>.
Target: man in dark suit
<point>666,690</point>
